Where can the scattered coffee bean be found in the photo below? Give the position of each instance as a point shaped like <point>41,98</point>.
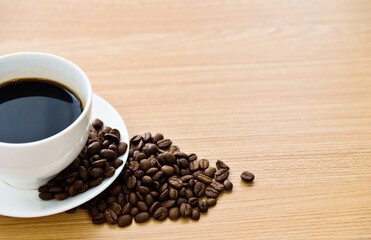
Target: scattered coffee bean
<point>195,214</point>
<point>221,165</point>
<point>211,202</point>
<point>247,176</point>
<point>161,213</point>
<point>174,213</point>
<point>227,185</point>
<point>221,175</point>
<point>185,210</point>
<point>142,217</point>
<point>124,220</point>
<point>204,163</point>
<point>203,206</point>
<point>217,185</point>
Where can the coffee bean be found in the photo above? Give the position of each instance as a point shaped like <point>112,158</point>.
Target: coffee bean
<point>173,193</point>
<point>174,213</point>
<point>217,185</point>
<point>152,170</point>
<point>110,216</point>
<point>145,164</point>
<point>99,219</point>
<point>95,182</point>
<point>148,199</point>
<point>121,148</point>
<point>108,154</point>
<point>184,171</point>
<point>186,178</point>
<point>168,203</point>
<point>161,213</point>
<point>164,143</point>
<point>117,163</point>
<point>72,210</point>
<point>193,166</point>
<point>97,124</point>
<point>133,166</point>
<point>155,194</point>
<point>110,199</point>
<point>157,175</point>
<point>142,217</point>
<point>46,196</point>
<point>94,148</point>
<point>110,171</point>
<point>142,206</point>
<point>204,163</point>
<point>164,195</point>
<point>112,138</point>
<point>183,163</point>
<point>199,189</point>
<point>227,185</point>
<point>138,156</point>
<point>55,189</point>
<point>193,201</point>
<point>99,163</point>
<point>115,207</point>
<point>143,190</point>
<point>210,171</point>
<point>176,168</point>
<point>134,211</point>
<point>211,192</point>
<point>154,207</point>
<point>147,180</point>
<point>221,175</point>
<point>135,139</point>
<point>182,192</point>
<point>83,173</point>
<point>131,182</point>
<point>169,158</point>
<point>175,182</point>
<point>96,172</point>
<point>195,214</point>
<point>192,157</point>
<point>146,137</point>
<point>174,149</point>
<point>167,170</point>
<point>181,155</point>
<point>105,143</point>
<point>203,206</point>
<point>133,199</point>
<point>247,176</point>
<point>120,199</point>
<point>221,165</point>
<point>203,178</point>
<point>126,208</point>
<point>101,205</point>
<point>211,202</point>
<point>43,188</point>
<point>179,201</point>
<point>124,220</point>
<point>157,137</point>
<point>185,210</point>
<point>188,193</point>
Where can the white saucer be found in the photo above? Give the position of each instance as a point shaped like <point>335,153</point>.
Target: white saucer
<point>26,203</point>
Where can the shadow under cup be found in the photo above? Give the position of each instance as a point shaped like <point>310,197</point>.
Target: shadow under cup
<point>30,165</point>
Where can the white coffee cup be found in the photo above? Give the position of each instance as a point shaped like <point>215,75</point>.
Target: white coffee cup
<point>30,165</point>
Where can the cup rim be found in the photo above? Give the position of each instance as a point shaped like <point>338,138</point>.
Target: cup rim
<point>74,123</point>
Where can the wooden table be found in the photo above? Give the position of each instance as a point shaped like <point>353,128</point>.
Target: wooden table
<point>279,88</point>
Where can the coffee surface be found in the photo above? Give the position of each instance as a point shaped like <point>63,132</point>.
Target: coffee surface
<point>34,109</point>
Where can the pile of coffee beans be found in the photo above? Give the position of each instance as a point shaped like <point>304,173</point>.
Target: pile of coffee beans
<point>97,161</point>
<point>159,181</point>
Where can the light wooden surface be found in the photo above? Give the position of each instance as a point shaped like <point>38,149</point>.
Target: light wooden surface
<point>280,88</point>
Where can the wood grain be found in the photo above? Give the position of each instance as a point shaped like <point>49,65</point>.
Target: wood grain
<point>279,88</point>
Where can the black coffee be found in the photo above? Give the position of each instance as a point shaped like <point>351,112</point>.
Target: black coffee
<point>34,109</point>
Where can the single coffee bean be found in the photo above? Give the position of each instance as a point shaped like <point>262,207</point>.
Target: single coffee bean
<point>183,163</point>
<point>134,211</point>
<point>147,180</point>
<point>121,199</point>
<point>110,199</point>
<point>188,193</point>
<point>139,174</point>
<point>211,202</point>
<point>146,137</point>
<point>174,213</point>
<point>43,188</point>
<point>195,174</point>
<point>154,194</point>
<point>96,172</point>
<point>126,209</point>
<point>175,182</point>
<point>221,165</point>
<point>97,124</point>
<point>143,190</point>
<point>94,148</point>
<point>173,193</point>
<point>247,176</point>
<point>174,149</point>
<point>163,187</point>
<point>83,173</point>
<point>99,219</point>
<point>199,189</point>
<point>168,203</point>
<point>116,132</point>
<point>109,172</point>
<point>115,207</point>
<point>95,182</point>
<point>117,163</point>
<point>145,164</point>
<point>227,185</point>
<point>142,217</point>
<point>211,192</point>
<point>112,138</point>
<point>181,155</point>
<point>157,175</point>
<point>105,143</point>
<point>195,214</point>
<point>164,195</point>
<point>148,199</point>
<point>110,216</point>
<point>210,171</point>
<point>101,205</point>
<point>157,137</point>
<point>122,147</point>
<point>99,163</point>
<point>182,192</point>
<point>192,183</point>
<point>142,206</point>
<point>161,213</point>
<point>135,140</point>
<point>108,154</point>
<point>167,170</point>
<point>221,175</point>
<point>164,143</point>
<point>217,185</point>
<point>185,210</point>
<point>203,178</point>
<point>154,207</point>
<point>169,158</point>
<point>152,170</point>
<point>133,199</point>
<point>192,157</point>
<point>185,171</point>
<point>204,163</point>
<point>176,168</point>
<point>46,196</point>
<point>179,201</point>
<point>186,178</point>
<point>138,156</point>
<point>193,201</point>
<point>133,166</point>
<point>152,149</point>
<point>203,207</point>
<point>55,189</point>
<point>124,220</point>
<point>78,184</point>
<point>131,182</point>
<point>193,166</point>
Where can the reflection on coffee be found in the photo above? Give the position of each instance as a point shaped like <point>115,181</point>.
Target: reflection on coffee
<point>33,109</point>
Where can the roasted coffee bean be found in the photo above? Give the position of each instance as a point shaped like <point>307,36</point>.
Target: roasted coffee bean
<point>179,201</point>
<point>95,182</point>
<point>211,202</point>
<point>203,178</point>
<point>146,180</point>
<point>164,195</point>
<point>211,192</point>
<point>46,196</point>
<point>173,193</point>
<point>116,132</point>
<point>192,183</point>
<point>96,172</point>
<point>154,207</point>
<point>143,190</point>
<point>186,178</point>
<point>108,154</point>
<point>105,143</point>
<point>109,172</point>
<point>133,166</point>
<point>174,213</point>
<point>152,170</point>
<point>138,156</point>
<point>188,193</point>
<point>131,182</point>
<point>167,170</point>
<point>142,217</point>
<point>221,165</point>
<point>192,157</point>
<point>84,188</point>
<point>99,163</point>
<point>210,171</point>
<point>164,143</point>
<point>140,196</point>
<point>221,175</point>
<point>115,190</point>
<point>247,176</point>
<point>78,184</point>
<point>110,216</point>
<point>101,205</point>
<point>94,148</point>
<point>93,210</point>
<point>184,171</point>
<point>142,206</point>
<point>193,166</point>
<point>117,163</point>
<point>157,175</point>
<point>115,207</point>
<point>126,209</point>
<point>99,219</point>
<point>133,199</point>
<point>146,137</point>
<point>112,138</point>
<point>204,163</point>
<point>217,185</point>
<point>124,220</point>
<point>176,168</point>
<point>134,211</point>
<point>120,199</point>
<point>97,124</point>
<point>121,148</point>
<point>174,149</point>
<point>139,174</point>
<point>157,137</point>
<point>140,145</point>
<point>195,174</point>
<point>43,188</point>
<point>164,187</point>
<point>168,203</point>
<point>152,149</point>
<point>169,158</point>
<point>181,155</point>
<point>145,164</point>
<point>182,192</point>
<point>83,173</point>
<point>195,215</point>
<point>110,199</point>
<point>55,189</point>
<point>155,194</point>
<point>185,210</point>
<point>161,213</point>
<point>183,163</point>
<point>148,199</point>
<point>175,182</point>
<point>199,189</point>
<point>135,139</point>
<point>227,185</point>
<point>193,201</point>
<point>203,206</point>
